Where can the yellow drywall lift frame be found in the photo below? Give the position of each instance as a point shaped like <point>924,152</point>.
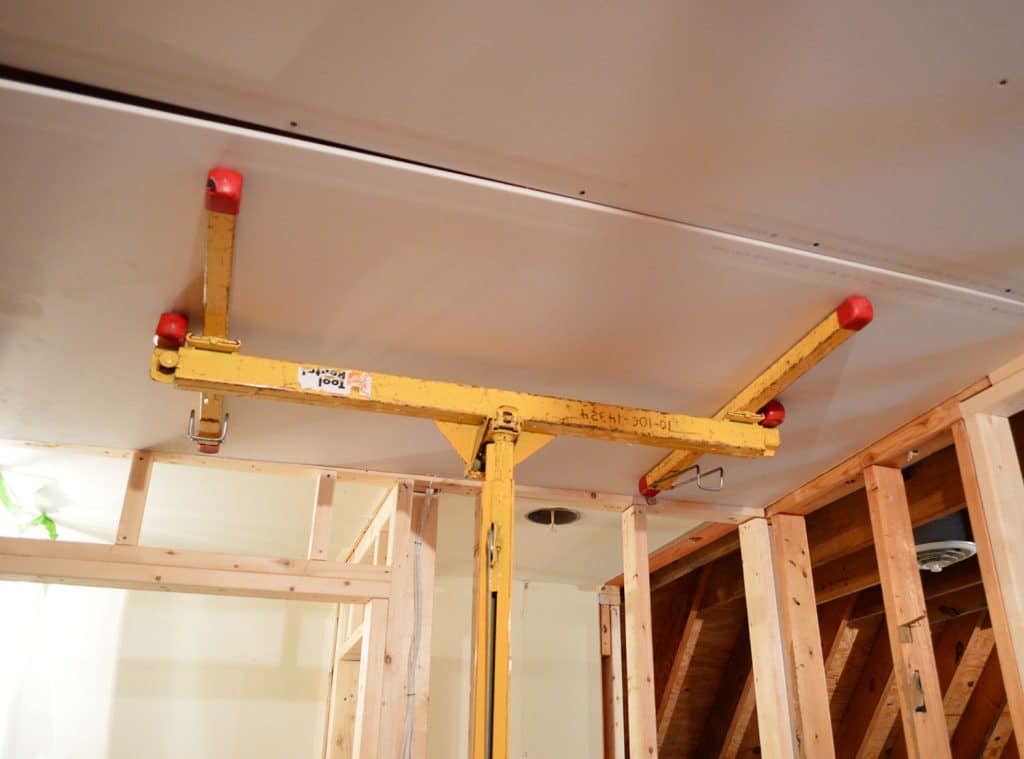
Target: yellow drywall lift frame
<point>492,430</point>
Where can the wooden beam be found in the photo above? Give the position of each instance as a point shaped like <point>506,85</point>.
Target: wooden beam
<point>969,642</point>
<point>990,466</point>
<point>691,550</point>
<point>775,693</point>
<point>320,529</point>
<point>871,701</point>
<point>983,714</point>
<point>681,660</point>
<point>580,499</point>
<point>368,541</point>
<point>945,597</point>
<point>406,684</point>
<point>124,566</point>
<point>914,441</point>
<point>369,718</point>
<point>613,709</point>
<point>840,535</point>
<point>733,707</point>
<point>999,735</point>
<point>1005,398</point>
<point>643,728</point>
<point>916,678</point>
<point>130,524</point>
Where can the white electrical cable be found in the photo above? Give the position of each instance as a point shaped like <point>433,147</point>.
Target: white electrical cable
<point>414,644</point>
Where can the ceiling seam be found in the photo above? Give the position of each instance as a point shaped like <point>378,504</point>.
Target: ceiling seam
<point>38,83</point>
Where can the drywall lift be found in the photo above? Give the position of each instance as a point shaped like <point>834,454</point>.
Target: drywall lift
<point>492,430</point>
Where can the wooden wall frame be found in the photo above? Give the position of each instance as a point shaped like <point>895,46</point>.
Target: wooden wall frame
<point>976,420</point>
<point>383,592</point>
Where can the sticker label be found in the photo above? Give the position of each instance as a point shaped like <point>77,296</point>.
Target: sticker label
<point>336,381</point>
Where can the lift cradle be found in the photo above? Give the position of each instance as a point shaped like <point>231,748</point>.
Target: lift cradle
<point>492,430</point>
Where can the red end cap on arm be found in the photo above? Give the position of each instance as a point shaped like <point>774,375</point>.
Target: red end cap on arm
<point>774,414</point>
<point>171,330</point>
<point>223,191</point>
<point>855,313</point>
<point>645,491</point>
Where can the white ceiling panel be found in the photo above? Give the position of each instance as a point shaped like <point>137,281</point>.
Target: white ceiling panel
<point>364,262</point>
<point>888,133</point>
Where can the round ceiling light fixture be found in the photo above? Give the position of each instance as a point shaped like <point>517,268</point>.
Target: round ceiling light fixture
<point>554,516</point>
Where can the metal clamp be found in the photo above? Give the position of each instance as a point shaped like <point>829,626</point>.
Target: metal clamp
<point>696,476</point>
<point>201,439</point>
<point>492,551</point>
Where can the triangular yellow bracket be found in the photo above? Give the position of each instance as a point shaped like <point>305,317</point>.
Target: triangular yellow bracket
<point>466,439</point>
<point>528,443</point>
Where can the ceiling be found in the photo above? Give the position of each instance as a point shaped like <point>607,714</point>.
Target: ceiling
<point>881,134</point>
<point>879,131</point>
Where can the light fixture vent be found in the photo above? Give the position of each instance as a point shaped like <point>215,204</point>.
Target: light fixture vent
<point>554,516</point>
<point>935,557</point>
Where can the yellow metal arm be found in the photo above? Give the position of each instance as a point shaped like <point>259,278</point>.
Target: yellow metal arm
<point>231,373</point>
<point>852,315</point>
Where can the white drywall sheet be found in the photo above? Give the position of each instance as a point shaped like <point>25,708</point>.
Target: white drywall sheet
<point>363,262</point>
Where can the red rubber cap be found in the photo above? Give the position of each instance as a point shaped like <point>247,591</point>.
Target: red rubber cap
<point>223,191</point>
<point>774,414</point>
<point>210,448</point>
<point>645,491</point>
<point>171,330</point>
<point>855,313</point>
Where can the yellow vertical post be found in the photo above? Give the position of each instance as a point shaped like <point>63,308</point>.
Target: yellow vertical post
<point>492,592</point>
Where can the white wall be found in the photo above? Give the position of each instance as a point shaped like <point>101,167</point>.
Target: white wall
<point>556,672</point>
<point>97,673</point>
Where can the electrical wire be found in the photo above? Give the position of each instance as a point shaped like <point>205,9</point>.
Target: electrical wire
<point>414,644</point>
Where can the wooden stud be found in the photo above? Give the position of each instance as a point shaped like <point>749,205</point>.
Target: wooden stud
<point>803,636</point>
<point>335,697</point>
<point>643,728</point>
<point>604,619</point>
<point>682,658</point>
<point>772,686</point>
<point>916,678</point>
<point>369,717</point>
<point>130,523</point>
<point>406,684</point>
<point>990,467</point>
<point>613,712</point>
<point>320,530</point>
<point>123,566</point>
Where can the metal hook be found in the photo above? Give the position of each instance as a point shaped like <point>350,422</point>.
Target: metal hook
<point>713,488</point>
<point>206,440</point>
<point>697,476</point>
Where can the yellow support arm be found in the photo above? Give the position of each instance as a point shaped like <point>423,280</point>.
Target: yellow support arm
<point>217,367</point>
<point>851,316</point>
<point>223,197</point>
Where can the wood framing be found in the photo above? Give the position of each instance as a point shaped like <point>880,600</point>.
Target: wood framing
<point>320,531</point>
<point>914,672</point>
<point>133,507</point>
<point>681,661</point>
<point>989,465</point>
<point>405,690</point>
<point>802,635</point>
<point>612,706</point>
<point>123,566</point>
<point>788,667</point>
<point>369,722</point>
<point>643,728</point>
